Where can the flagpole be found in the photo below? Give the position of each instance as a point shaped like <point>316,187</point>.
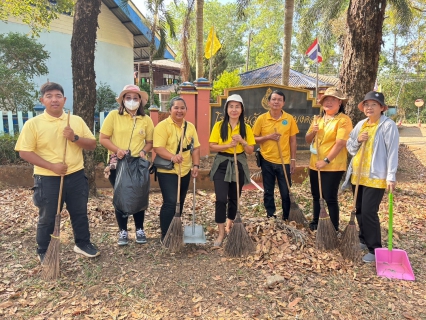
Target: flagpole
<point>316,94</point>
<point>211,57</point>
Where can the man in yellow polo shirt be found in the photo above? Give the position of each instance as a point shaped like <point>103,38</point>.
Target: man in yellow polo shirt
<point>42,143</point>
<point>265,135</point>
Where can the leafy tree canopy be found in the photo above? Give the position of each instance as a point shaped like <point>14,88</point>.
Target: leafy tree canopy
<point>225,81</point>
<point>37,14</point>
<point>21,59</point>
<point>105,98</point>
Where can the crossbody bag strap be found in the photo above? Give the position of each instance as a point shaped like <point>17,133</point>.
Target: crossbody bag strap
<point>184,132</point>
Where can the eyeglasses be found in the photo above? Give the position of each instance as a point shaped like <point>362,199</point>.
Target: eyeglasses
<point>371,105</point>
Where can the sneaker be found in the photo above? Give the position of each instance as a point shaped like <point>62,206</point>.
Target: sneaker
<point>313,226</point>
<point>41,257</point>
<point>363,246</point>
<point>88,250</point>
<point>122,238</point>
<point>271,216</point>
<point>369,257</point>
<point>140,236</point>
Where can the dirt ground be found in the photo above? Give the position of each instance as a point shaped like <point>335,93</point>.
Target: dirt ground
<point>286,278</point>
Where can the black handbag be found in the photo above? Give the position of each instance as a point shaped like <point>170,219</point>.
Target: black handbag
<point>161,163</point>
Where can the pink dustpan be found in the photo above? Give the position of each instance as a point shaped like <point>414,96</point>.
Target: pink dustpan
<point>393,263</point>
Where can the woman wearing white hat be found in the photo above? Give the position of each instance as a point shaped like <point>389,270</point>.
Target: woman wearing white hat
<point>226,135</point>
<point>332,131</point>
<point>378,171</point>
<point>127,129</point>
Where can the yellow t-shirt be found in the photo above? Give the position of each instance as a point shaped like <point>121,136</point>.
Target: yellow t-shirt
<point>365,179</point>
<point>43,135</point>
<point>167,134</point>
<point>337,128</point>
<point>215,136</point>
<point>285,125</point>
<point>119,128</point>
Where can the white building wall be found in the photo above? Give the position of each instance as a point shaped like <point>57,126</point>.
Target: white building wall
<point>113,55</point>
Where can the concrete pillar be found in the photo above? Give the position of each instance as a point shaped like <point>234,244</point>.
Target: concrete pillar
<point>203,114</point>
<point>189,94</point>
<point>155,117</point>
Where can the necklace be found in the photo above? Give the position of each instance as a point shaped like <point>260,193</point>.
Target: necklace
<point>326,120</point>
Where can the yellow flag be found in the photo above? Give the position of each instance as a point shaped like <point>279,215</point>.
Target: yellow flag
<point>212,44</point>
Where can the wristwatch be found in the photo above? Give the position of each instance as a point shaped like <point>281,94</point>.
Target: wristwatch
<point>196,165</point>
<point>326,160</point>
<point>76,137</point>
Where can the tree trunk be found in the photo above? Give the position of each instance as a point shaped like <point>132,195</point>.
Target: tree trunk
<point>199,39</point>
<point>83,43</point>
<point>288,31</point>
<point>361,52</point>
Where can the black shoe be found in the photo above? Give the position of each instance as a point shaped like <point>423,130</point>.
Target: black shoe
<point>41,257</point>
<point>313,226</point>
<point>271,216</point>
<point>88,250</point>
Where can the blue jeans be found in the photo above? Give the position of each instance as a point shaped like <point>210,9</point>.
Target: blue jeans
<point>169,184</point>
<point>75,194</point>
<point>270,173</point>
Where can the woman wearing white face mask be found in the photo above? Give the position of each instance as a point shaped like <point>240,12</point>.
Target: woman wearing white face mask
<point>125,130</point>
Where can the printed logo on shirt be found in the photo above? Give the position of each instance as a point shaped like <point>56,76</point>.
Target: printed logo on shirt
<point>142,132</point>
<point>284,122</point>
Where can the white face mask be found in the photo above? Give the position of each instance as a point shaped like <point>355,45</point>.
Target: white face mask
<point>131,105</point>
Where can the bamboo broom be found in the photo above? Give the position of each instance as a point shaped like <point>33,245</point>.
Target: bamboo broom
<point>173,240</point>
<point>239,242</point>
<point>349,246</point>
<point>295,213</point>
<point>326,238</point>
<point>50,264</point>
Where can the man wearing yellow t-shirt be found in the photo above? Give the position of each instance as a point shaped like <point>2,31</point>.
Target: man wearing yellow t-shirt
<point>41,143</point>
<point>270,127</point>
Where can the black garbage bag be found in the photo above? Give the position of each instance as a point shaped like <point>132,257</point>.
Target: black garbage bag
<point>131,189</point>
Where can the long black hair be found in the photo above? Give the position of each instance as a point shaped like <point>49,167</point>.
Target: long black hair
<point>139,112</point>
<point>225,123</point>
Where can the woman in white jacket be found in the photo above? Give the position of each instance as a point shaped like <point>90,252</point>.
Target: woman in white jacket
<point>378,172</point>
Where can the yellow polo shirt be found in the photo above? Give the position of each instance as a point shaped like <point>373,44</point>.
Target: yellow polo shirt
<point>215,136</point>
<point>43,135</point>
<point>285,125</point>
<point>365,179</point>
<point>167,134</point>
<point>337,128</point>
<point>119,128</point>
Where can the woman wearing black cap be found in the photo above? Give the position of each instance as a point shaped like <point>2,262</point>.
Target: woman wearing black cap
<point>378,172</point>
<point>226,135</point>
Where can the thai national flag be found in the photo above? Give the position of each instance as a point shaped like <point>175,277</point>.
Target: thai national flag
<point>314,52</point>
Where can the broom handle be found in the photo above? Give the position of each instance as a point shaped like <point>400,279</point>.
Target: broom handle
<point>318,157</point>
<point>237,178</point>
<point>180,171</point>
<point>282,162</point>
<point>61,184</point>
<point>359,174</point>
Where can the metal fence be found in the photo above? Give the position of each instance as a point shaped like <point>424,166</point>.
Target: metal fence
<point>13,123</point>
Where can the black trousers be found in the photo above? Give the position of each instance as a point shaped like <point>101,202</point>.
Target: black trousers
<point>75,194</point>
<point>270,173</point>
<point>330,181</point>
<point>169,184</point>
<point>138,217</point>
<point>226,193</point>
<point>367,208</point>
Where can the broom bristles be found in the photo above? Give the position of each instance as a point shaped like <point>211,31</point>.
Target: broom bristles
<point>174,236</point>
<point>50,263</point>
<point>239,242</point>
<point>326,238</point>
<point>296,214</point>
<point>349,246</point>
